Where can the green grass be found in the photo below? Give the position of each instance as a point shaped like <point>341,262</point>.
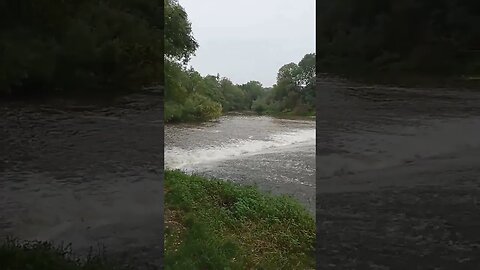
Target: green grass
<point>38,255</point>
<point>213,224</point>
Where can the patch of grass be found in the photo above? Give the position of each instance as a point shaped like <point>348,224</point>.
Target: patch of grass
<point>39,255</point>
<point>214,224</point>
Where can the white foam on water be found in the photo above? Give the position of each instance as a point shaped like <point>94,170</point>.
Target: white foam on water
<point>178,158</point>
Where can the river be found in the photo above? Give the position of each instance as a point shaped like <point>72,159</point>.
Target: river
<point>397,177</point>
<point>85,175</point>
<point>277,155</point>
<point>90,175</point>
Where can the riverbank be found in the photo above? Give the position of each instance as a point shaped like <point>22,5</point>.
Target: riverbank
<point>216,224</point>
<point>280,115</point>
<point>276,155</point>
<point>15,254</point>
<point>293,116</point>
<point>408,81</point>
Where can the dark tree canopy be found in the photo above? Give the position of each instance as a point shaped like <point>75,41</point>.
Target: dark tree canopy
<point>425,37</point>
<point>294,92</point>
<point>189,96</point>
<point>80,46</point>
<point>179,41</point>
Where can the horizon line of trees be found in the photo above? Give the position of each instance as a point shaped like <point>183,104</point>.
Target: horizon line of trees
<point>114,46</point>
<point>189,96</point>
<point>94,46</point>
<point>192,97</point>
<point>429,38</point>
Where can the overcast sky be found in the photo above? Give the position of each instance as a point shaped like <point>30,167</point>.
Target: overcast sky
<point>250,39</point>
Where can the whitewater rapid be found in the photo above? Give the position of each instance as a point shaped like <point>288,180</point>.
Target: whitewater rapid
<point>183,159</point>
<point>276,155</point>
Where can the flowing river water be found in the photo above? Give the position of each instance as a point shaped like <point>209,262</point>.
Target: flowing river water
<point>85,175</point>
<point>277,155</point>
<point>92,175</point>
<point>397,177</point>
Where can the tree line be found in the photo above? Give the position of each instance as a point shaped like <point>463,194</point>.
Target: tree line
<point>112,47</point>
<point>192,97</point>
<point>424,37</point>
<point>84,46</point>
<point>189,96</point>
<point>294,91</point>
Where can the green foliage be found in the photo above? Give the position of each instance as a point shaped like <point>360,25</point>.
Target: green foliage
<point>253,90</point>
<point>187,96</point>
<point>234,96</point>
<point>191,97</point>
<point>426,37</point>
<point>179,41</point>
<point>173,112</point>
<point>294,92</point>
<point>213,224</point>
<point>199,108</point>
<point>80,46</point>
<point>308,68</point>
<point>260,106</point>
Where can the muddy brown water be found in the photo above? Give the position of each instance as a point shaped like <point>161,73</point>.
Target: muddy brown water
<point>85,175</point>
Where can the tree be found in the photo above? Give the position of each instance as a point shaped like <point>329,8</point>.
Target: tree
<point>307,68</point>
<point>432,38</point>
<point>179,41</point>
<point>294,91</point>
<point>234,96</point>
<point>289,73</point>
<point>100,46</point>
<point>253,90</point>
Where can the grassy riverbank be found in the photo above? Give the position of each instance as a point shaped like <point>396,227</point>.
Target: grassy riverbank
<point>15,254</point>
<point>213,224</point>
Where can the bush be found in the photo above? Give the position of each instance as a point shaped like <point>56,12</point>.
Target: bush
<point>195,108</point>
<point>173,112</point>
<point>259,106</point>
<point>201,108</point>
